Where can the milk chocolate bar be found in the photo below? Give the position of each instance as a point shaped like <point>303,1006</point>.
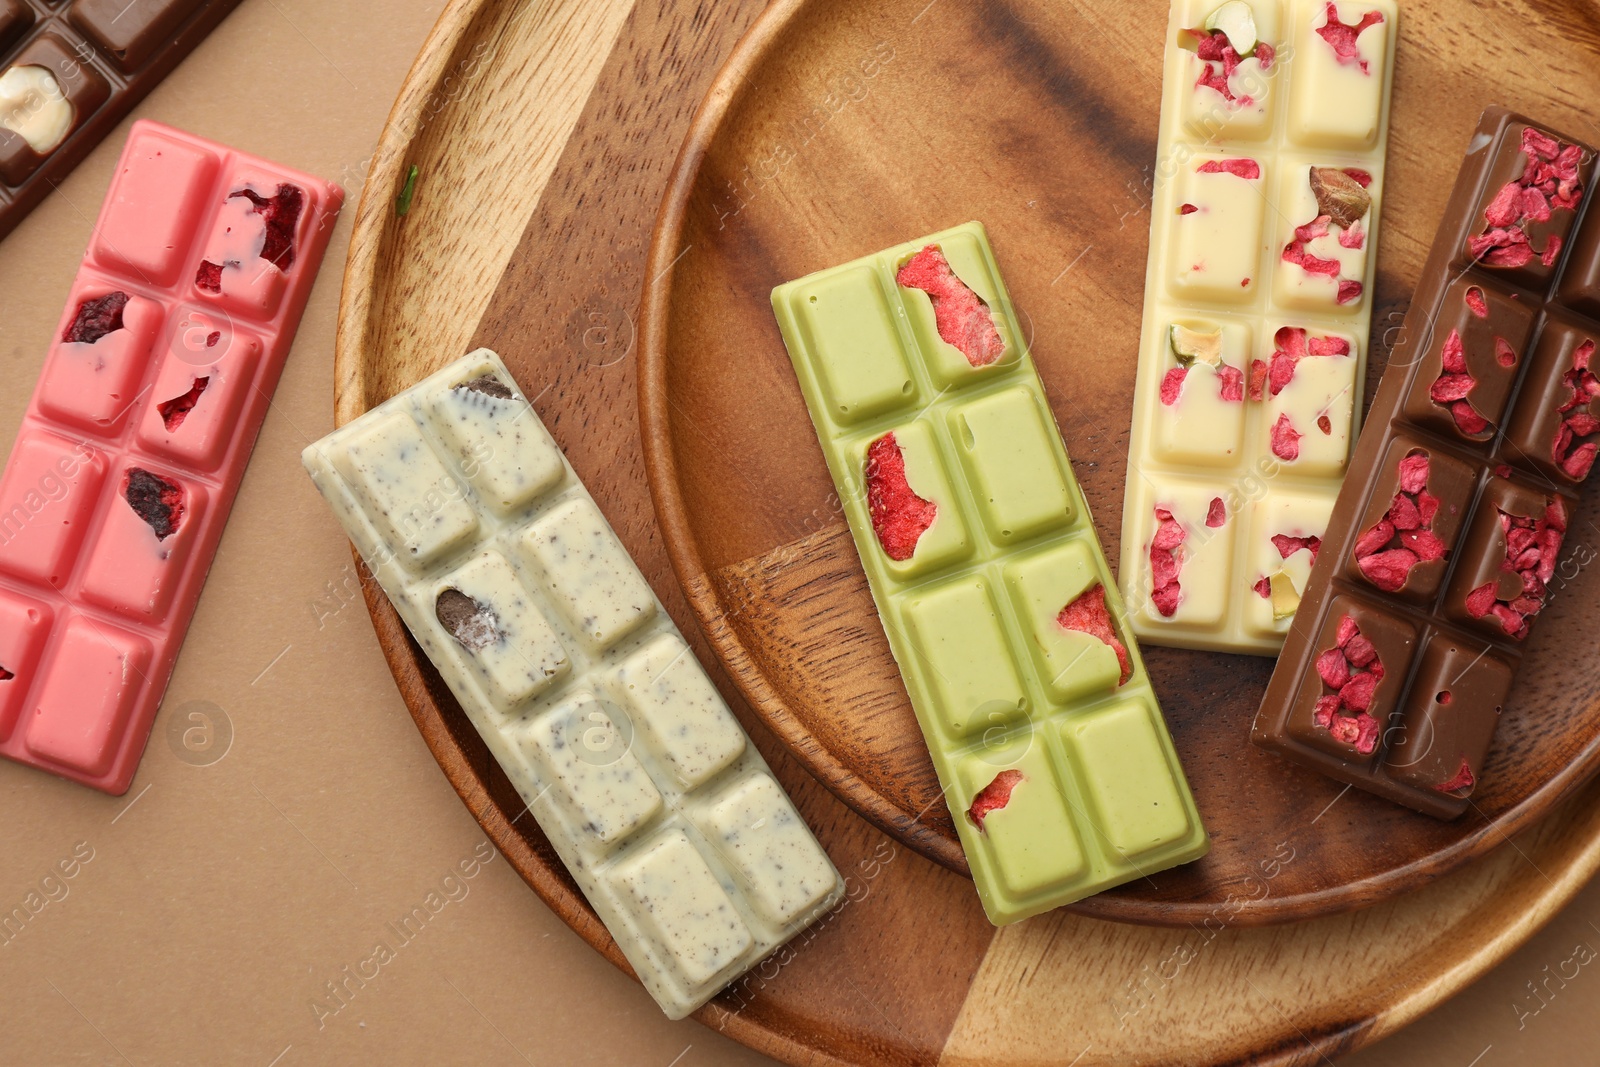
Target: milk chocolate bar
<point>1445,542</point>
<point>584,691</point>
<point>69,72</point>
<point>1258,302</point>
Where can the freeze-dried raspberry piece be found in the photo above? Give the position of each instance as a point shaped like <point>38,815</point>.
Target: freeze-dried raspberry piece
<point>281,212</point>
<point>1232,383</point>
<point>1549,182</point>
<point>1216,513</point>
<point>1413,472</point>
<point>1288,546</point>
<point>5,675</point>
<point>209,277</point>
<point>1374,539</point>
<point>1333,668</point>
<point>1258,377</point>
<point>155,500</point>
<point>1290,345</point>
<point>1263,588</point>
<point>993,797</point>
<point>1088,614</point>
<point>1451,389</point>
<point>1285,439</point>
<point>1568,451</point>
<point>1388,569</point>
<point>96,318</point>
<point>1425,544</point>
<point>963,319</point>
<point>1248,169</point>
<point>1504,354</point>
<point>1538,144</point>
<point>1166,559</point>
<point>1350,673</point>
<point>1461,785</point>
<point>174,411</point>
<point>1532,545</point>
<point>1187,209</point>
<point>1220,61</point>
<point>1172,385</point>
<point>1480,600</point>
<point>1476,302</point>
<point>1349,292</point>
<point>899,516</point>
<point>1342,38</point>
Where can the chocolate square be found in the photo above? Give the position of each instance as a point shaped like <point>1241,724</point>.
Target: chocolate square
<point>80,83</point>
<point>130,33</point>
<point>1451,481</point>
<point>15,18</point>
<point>1449,717</point>
<point>1493,346</point>
<point>1531,437</point>
<point>1394,638</point>
<point>1509,166</point>
<point>1481,560</point>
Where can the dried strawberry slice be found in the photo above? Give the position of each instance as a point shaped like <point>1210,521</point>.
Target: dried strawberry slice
<point>993,797</point>
<point>899,516</point>
<point>962,317</point>
<point>96,318</point>
<point>1088,614</point>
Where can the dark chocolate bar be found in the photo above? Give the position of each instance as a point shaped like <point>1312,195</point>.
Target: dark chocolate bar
<point>69,72</point>
<point>1448,530</point>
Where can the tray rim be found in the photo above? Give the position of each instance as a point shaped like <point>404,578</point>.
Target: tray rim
<point>352,345</point>
<point>700,588</point>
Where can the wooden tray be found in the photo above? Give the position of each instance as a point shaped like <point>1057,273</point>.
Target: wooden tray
<point>1023,116</point>
<point>570,113</point>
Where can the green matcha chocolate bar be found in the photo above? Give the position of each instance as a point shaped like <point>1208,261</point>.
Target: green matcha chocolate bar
<point>982,557</point>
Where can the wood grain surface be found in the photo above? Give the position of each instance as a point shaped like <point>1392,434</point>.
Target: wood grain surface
<point>848,128</point>
<point>908,971</point>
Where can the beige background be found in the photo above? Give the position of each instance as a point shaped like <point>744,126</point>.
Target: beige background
<point>232,883</point>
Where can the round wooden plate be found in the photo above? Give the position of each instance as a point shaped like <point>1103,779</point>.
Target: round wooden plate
<point>839,128</point>
<point>564,117</point>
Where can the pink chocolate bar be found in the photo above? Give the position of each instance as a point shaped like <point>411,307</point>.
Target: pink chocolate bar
<point>137,436</point>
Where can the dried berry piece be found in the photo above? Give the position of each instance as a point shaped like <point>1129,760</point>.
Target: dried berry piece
<point>1569,451</point>
<point>1172,385</point>
<point>1285,439</point>
<point>1454,385</point>
<point>1342,199</point>
<point>1288,546</point>
<point>96,318</point>
<point>1388,551</point>
<point>1350,673</point>
<point>1342,38</point>
<point>1549,182</point>
<point>155,500</point>
<point>1476,302</point>
<point>1232,383</point>
<point>963,319</point>
<point>488,385</point>
<point>469,622</point>
<point>1532,545</point>
<point>993,797</point>
<point>1166,559</point>
<point>1221,58</point>
<point>1216,513</point>
<point>209,277</point>
<point>899,516</point>
<point>1088,614</point>
<point>1290,345</point>
<point>5,675</point>
<point>282,213</point>
<point>1248,169</point>
<point>1461,785</point>
<point>174,411</point>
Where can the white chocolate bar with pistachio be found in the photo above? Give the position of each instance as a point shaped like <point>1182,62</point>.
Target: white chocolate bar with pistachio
<point>579,683</point>
<point>1258,305</point>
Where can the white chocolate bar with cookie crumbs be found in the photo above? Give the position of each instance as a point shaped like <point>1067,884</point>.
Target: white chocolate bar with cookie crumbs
<point>512,581</point>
